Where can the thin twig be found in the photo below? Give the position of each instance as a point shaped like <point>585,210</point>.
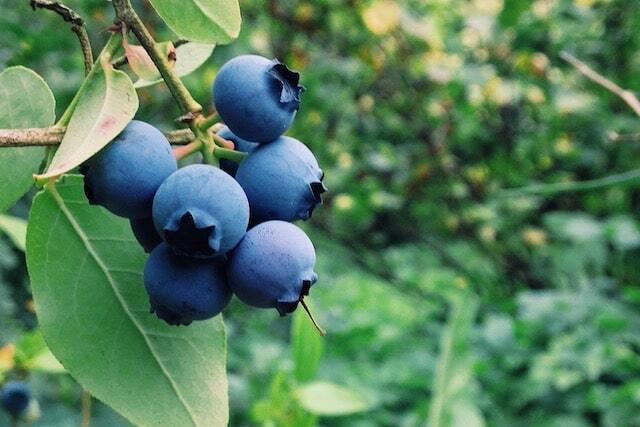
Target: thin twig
<point>122,61</point>
<point>36,137</point>
<point>626,95</point>
<point>77,26</point>
<point>624,179</point>
<point>86,409</point>
<point>128,16</point>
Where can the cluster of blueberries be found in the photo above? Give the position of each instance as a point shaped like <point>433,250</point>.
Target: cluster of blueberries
<point>215,231</point>
<point>15,398</point>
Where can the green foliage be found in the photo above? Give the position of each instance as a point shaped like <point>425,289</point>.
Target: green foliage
<point>189,57</point>
<point>478,247</point>
<point>26,102</point>
<point>97,298</point>
<point>103,106</point>
<point>204,21</point>
<point>307,347</point>
<point>15,229</point>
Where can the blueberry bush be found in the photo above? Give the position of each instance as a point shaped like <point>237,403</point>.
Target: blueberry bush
<point>473,260</point>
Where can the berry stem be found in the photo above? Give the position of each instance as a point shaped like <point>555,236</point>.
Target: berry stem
<point>186,150</point>
<point>220,141</point>
<point>225,153</point>
<point>206,122</point>
<point>321,331</point>
<point>127,15</point>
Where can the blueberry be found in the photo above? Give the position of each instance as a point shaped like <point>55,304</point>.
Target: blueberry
<point>124,176</point>
<point>201,211</point>
<point>146,234</point>
<point>15,397</point>
<point>257,97</point>
<point>272,267</point>
<point>183,289</point>
<point>282,181</point>
<point>242,145</point>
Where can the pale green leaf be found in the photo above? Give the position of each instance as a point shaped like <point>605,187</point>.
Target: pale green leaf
<point>32,353</point>
<point>15,229</point>
<point>189,57</point>
<point>204,21</point>
<point>453,400</point>
<point>106,103</point>
<point>25,101</point>
<point>307,346</point>
<point>142,64</point>
<point>86,273</point>
<point>328,399</point>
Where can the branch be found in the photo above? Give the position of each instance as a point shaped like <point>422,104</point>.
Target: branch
<point>37,137</point>
<point>621,179</point>
<point>626,95</point>
<point>128,16</point>
<point>77,26</point>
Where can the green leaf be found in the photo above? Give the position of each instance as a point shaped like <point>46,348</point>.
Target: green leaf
<point>86,273</point>
<point>25,101</point>
<point>140,61</point>
<point>15,229</point>
<point>105,104</point>
<point>189,57</point>
<point>32,353</point>
<point>204,21</point>
<point>328,399</point>
<point>453,402</point>
<point>307,346</point>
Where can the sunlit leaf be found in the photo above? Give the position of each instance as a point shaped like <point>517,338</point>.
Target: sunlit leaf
<point>205,21</point>
<point>328,399</point>
<point>15,229</point>
<point>189,57</point>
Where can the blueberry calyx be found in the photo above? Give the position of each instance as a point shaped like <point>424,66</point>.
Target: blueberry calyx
<point>290,82</point>
<point>187,238</point>
<point>288,305</point>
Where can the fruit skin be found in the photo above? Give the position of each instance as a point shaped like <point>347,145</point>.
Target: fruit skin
<point>272,267</point>
<point>201,211</point>
<point>15,397</point>
<point>124,176</point>
<point>183,289</point>
<point>145,233</point>
<point>256,97</point>
<point>282,181</point>
<point>242,145</point>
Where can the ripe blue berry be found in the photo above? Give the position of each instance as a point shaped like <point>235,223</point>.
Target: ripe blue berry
<point>242,145</point>
<point>257,97</point>
<point>183,289</point>
<point>272,267</point>
<point>15,397</point>
<point>146,234</point>
<point>201,211</point>
<point>282,181</point>
<point>124,176</point>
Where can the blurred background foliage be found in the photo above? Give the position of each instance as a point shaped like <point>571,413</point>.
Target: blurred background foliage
<point>448,300</point>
